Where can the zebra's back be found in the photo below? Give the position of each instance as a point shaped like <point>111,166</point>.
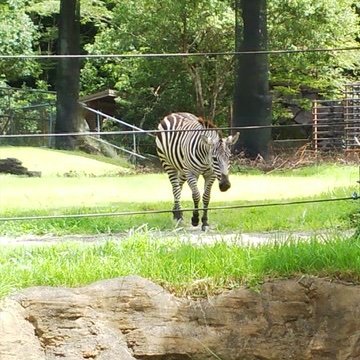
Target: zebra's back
<point>179,144</point>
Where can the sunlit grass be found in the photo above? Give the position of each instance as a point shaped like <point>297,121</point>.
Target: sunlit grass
<point>181,267</point>
<point>18,193</point>
<point>72,180</point>
<point>84,193</point>
<point>295,217</point>
<point>59,163</point>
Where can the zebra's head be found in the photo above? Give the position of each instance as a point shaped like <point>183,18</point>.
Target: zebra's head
<point>219,156</point>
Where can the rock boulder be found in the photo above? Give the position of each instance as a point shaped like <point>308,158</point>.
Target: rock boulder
<point>132,318</point>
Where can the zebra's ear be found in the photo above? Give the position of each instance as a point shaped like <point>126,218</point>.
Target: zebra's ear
<point>207,140</point>
<point>232,139</point>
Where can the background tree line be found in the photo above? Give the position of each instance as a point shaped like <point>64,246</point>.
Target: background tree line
<point>150,88</point>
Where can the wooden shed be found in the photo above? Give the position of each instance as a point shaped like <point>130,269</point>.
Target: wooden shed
<point>103,101</point>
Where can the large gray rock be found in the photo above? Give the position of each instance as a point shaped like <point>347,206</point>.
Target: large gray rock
<point>132,318</point>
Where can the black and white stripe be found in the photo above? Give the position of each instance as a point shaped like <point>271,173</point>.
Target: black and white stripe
<point>188,147</point>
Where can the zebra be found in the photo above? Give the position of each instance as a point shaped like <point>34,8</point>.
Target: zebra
<point>189,146</point>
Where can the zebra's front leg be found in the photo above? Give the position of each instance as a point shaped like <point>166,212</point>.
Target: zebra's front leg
<point>176,183</point>
<point>192,181</point>
<point>209,181</point>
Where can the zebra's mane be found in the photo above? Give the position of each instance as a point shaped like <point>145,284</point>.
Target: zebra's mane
<point>208,124</point>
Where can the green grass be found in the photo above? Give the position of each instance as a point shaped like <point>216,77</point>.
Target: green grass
<point>64,163</point>
<point>74,184</point>
<point>19,193</point>
<point>181,267</point>
<point>337,214</point>
<point>56,195</point>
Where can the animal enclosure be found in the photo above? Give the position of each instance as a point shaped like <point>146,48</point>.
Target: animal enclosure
<point>337,122</point>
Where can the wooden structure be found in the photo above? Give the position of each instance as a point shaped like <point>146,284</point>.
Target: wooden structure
<point>103,101</point>
<point>352,115</point>
<point>328,124</point>
<point>337,122</point>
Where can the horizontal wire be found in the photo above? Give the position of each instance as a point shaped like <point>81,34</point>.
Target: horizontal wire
<point>168,55</point>
<point>132,132</point>
<point>355,196</point>
<point>154,131</point>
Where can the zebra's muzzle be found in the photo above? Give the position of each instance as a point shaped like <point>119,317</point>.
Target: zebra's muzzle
<point>224,183</point>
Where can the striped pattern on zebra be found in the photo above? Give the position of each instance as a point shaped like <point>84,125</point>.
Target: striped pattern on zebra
<point>188,147</point>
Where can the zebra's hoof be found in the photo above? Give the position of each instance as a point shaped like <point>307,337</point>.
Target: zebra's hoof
<point>178,222</point>
<point>194,221</point>
<point>205,227</point>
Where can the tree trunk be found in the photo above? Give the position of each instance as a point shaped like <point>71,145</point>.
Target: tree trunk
<point>68,73</point>
<point>196,79</point>
<point>252,102</point>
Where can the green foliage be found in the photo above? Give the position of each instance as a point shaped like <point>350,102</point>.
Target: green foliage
<point>150,88</point>
<point>307,24</point>
<point>297,77</point>
<point>92,11</point>
<point>30,111</point>
<point>17,36</point>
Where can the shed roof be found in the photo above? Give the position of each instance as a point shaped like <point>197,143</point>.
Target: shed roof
<point>102,95</point>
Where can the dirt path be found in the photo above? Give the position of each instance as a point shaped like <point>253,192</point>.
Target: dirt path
<point>196,237</point>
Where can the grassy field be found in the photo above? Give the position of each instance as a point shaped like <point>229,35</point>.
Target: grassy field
<point>337,215</point>
<point>74,184</point>
<point>181,267</point>
<point>74,180</point>
<point>64,163</point>
<point>19,193</point>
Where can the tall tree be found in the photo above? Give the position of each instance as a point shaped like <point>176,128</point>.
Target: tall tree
<point>149,89</point>
<point>252,102</point>
<point>68,73</point>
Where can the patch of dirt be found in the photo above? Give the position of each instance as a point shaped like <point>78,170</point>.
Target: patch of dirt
<point>191,235</point>
<point>294,159</point>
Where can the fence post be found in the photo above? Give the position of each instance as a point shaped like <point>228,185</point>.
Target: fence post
<point>315,126</point>
<point>134,144</point>
<point>98,124</point>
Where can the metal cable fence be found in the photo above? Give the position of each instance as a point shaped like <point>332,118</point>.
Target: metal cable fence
<point>352,197</point>
<point>49,136</point>
<point>183,54</point>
